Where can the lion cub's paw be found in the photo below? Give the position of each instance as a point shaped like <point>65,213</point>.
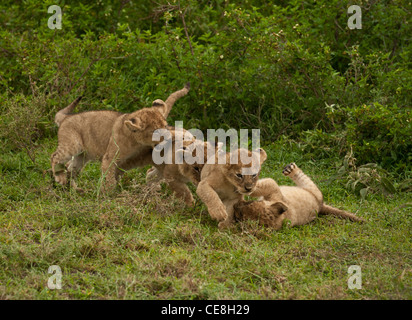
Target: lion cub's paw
<point>152,175</point>
<point>219,213</point>
<point>289,169</point>
<point>189,201</point>
<point>61,178</point>
<point>224,224</point>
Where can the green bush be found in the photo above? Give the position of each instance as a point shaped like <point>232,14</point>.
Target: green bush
<point>381,133</point>
<point>365,179</point>
<point>268,65</point>
<point>24,122</point>
<point>375,133</point>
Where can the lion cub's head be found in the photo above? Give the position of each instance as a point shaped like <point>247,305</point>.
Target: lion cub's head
<point>197,151</point>
<point>270,214</point>
<point>143,123</point>
<point>242,169</point>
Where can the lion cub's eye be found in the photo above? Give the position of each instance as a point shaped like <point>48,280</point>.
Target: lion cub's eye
<point>239,175</point>
<point>254,175</point>
<point>197,169</point>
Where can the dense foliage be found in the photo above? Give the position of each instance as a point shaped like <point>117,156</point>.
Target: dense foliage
<point>290,68</point>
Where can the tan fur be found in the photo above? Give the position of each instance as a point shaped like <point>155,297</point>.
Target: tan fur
<point>120,141</point>
<point>299,205</point>
<point>223,185</point>
<point>199,150</point>
<point>177,175</point>
<point>62,114</point>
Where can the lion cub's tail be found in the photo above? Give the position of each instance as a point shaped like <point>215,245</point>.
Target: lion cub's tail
<point>62,114</point>
<point>339,213</point>
<point>170,101</point>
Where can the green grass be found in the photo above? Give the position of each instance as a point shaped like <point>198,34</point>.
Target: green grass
<point>140,244</point>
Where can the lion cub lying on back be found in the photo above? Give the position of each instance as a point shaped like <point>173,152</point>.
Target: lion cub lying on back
<point>298,204</point>
<point>223,185</point>
<point>120,141</point>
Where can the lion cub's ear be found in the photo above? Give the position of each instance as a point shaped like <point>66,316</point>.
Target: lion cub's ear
<point>185,155</point>
<point>263,155</point>
<point>135,124</point>
<point>161,105</point>
<point>278,207</point>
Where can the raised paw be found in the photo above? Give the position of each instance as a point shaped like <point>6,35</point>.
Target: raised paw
<point>289,168</point>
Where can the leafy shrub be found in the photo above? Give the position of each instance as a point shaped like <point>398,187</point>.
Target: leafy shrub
<point>255,64</point>
<point>23,123</point>
<point>365,179</point>
<point>381,133</point>
<point>377,133</point>
<point>318,143</point>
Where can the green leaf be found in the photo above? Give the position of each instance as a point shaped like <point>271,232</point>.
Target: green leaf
<point>387,185</point>
<point>363,192</point>
<point>341,170</point>
<point>332,179</point>
<point>405,186</point>
<point>346,163</point>
<point>369,165</point>
<point>354,185</point>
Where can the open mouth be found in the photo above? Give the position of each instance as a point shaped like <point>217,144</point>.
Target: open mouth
<point>243,191</point>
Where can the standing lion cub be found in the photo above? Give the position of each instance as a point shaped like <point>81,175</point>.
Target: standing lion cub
<point>178,173</point>
<point>120,141</point>
<point>299,204</point>
<point>223,185</point>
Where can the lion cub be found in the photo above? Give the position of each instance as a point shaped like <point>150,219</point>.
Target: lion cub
<point>120,141</point>
<point>223,185</point>
<point>178,173</point>
<point>298,204</point>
